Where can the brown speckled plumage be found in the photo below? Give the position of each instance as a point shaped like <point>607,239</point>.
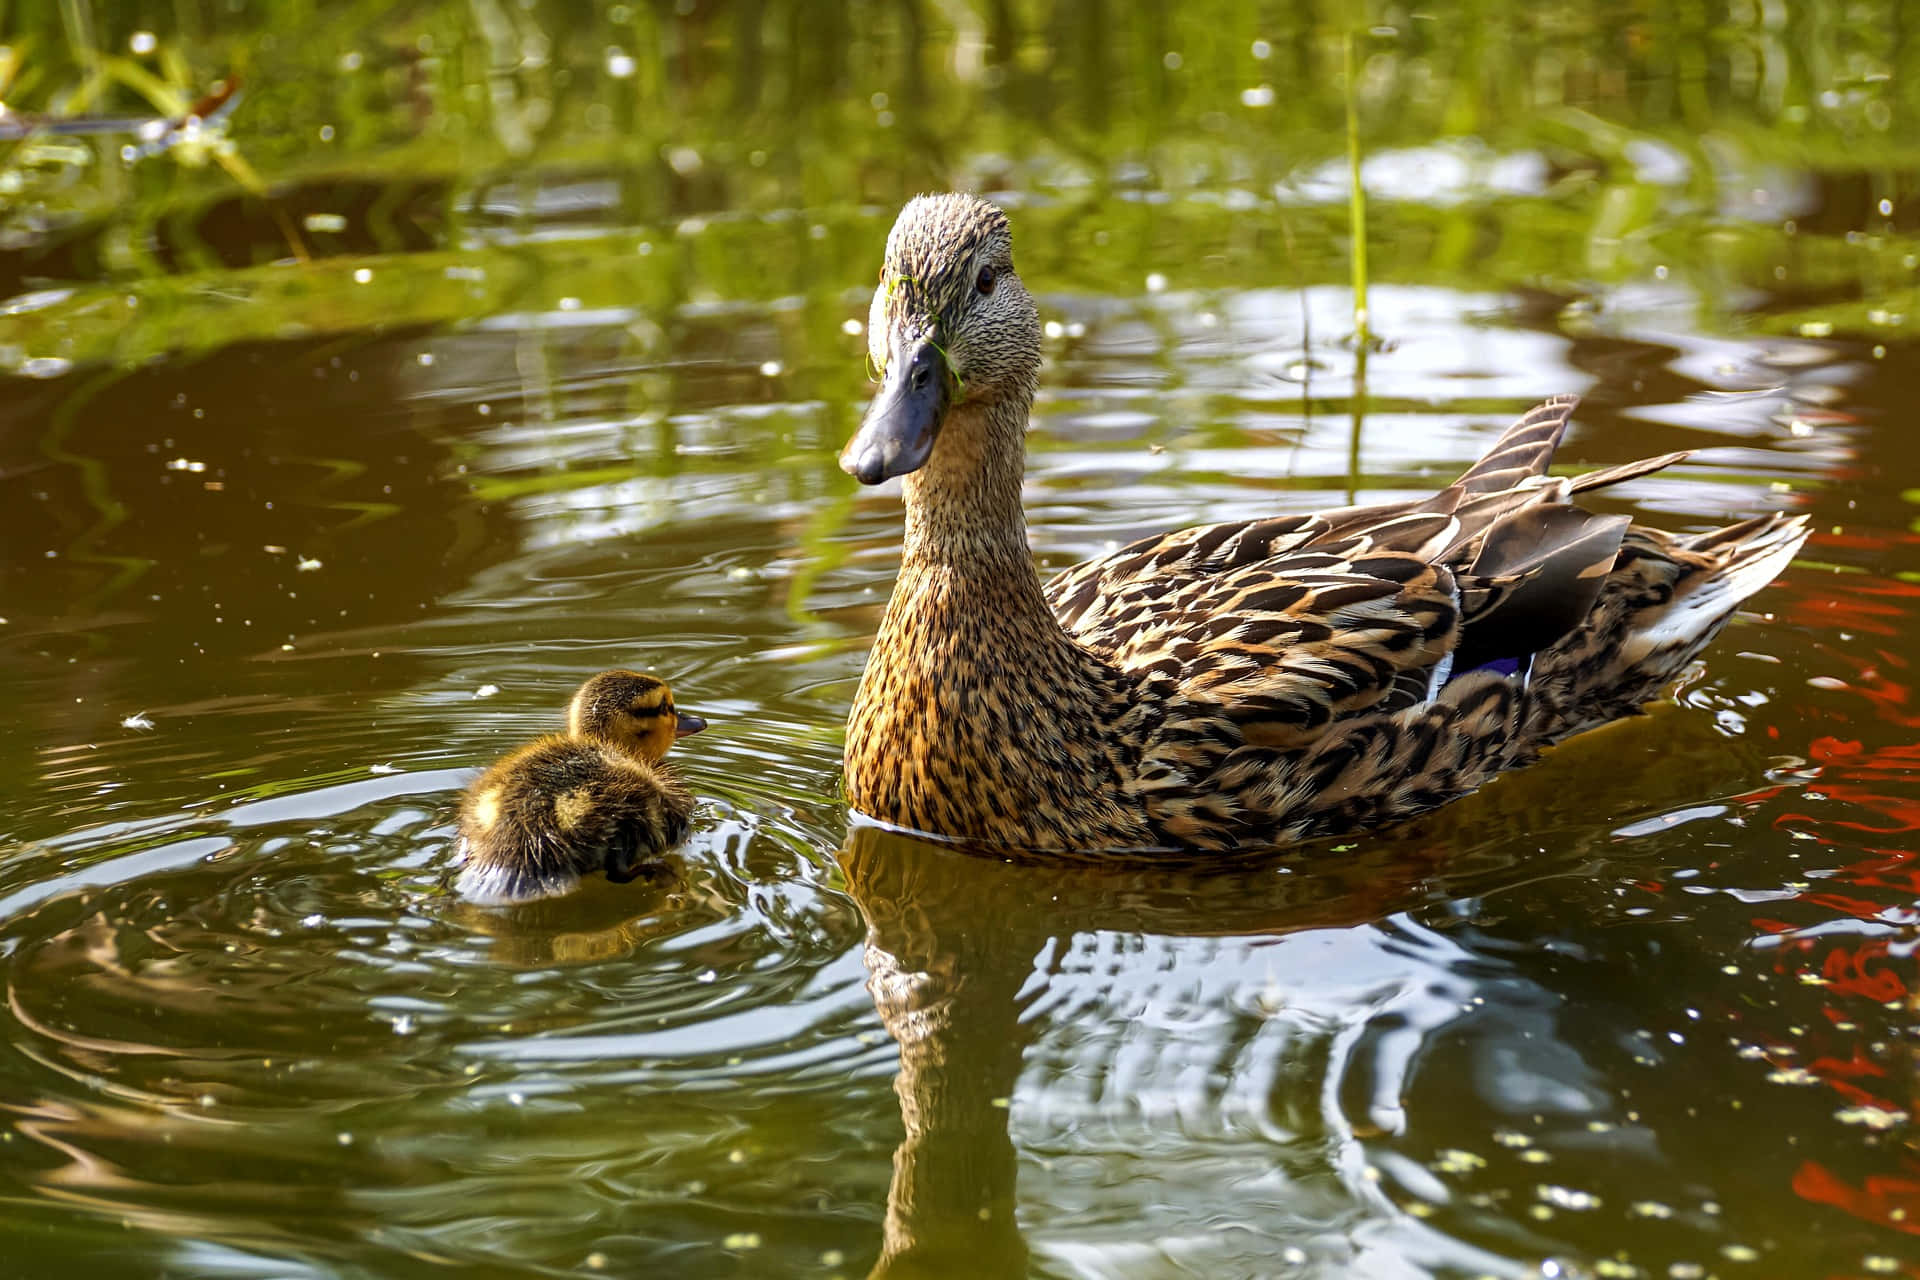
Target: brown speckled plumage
<point>595,798</point>
<point>1244,684</point>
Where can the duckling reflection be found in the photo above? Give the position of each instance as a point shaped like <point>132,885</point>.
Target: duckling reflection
<point>594,798</point>
<point>600,922</point>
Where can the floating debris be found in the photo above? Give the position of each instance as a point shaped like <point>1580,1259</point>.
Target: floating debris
<point>138,720</point>
<point>1567,1197</point>
<point>1881,1118</point>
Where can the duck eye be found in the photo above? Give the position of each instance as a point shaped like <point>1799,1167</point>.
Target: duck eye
<point>985,282</point>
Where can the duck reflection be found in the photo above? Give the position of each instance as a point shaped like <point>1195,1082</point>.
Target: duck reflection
<point>971,956</point>
<point>952,942</point>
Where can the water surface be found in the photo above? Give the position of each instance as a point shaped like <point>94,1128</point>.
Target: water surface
<point>298,536</point>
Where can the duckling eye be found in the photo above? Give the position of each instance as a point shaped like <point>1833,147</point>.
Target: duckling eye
<point>985,281</point>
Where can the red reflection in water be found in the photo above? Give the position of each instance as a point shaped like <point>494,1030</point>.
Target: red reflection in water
<point>1874,783</point>
<point>1890,1201</point>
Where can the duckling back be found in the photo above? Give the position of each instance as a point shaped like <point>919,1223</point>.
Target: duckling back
<point>559,808</point>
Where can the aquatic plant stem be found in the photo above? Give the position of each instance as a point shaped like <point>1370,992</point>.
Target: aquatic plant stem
<point>1356,200</point>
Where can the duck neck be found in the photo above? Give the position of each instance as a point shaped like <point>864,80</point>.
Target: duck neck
<point>963,506</point>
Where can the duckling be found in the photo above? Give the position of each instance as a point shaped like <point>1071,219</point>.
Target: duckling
<point>1239,685</point>
<point>596,797</point>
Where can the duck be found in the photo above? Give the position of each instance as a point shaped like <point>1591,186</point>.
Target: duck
<point>1240,685</point>
<point>596,797</point>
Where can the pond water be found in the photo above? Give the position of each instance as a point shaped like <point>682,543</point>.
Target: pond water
<point>537,363</point>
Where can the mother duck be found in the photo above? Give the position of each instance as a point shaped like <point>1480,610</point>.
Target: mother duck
<point>1232,685</point>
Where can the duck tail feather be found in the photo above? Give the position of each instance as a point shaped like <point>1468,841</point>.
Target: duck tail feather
<point>1749,555</point>
<point>1627,471</point>
<point>1523,449</point>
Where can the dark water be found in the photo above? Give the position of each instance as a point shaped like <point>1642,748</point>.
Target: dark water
<point>288,549</point>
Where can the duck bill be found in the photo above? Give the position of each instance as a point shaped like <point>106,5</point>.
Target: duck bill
<point>896,437</point>
<point>685,724</point>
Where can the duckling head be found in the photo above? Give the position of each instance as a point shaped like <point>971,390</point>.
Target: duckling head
<point>951,324</point>
<point>631,712</point>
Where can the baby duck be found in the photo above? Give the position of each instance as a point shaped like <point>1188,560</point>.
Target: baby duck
<point>597,797</point>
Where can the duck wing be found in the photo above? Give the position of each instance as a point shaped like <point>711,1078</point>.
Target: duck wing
<point>1290,623</point>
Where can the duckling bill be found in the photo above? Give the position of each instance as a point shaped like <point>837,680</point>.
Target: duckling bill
<point>596,798</point>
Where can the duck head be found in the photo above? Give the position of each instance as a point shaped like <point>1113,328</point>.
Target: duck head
<point>631,712</point>
<point>951,326</point>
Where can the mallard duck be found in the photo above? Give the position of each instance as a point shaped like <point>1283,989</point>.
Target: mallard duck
<point>594,798</point>
<point>1235,685</point>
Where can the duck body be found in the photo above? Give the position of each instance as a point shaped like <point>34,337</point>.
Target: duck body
<point>1232,685</point>
<point>597,798</point>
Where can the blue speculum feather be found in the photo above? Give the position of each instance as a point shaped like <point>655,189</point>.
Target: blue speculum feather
<point>1500,666</point>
